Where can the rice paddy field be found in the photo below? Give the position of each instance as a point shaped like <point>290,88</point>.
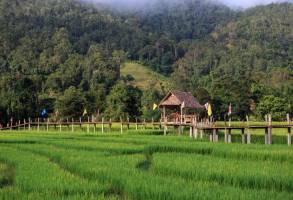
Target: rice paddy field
<point>141,164</point>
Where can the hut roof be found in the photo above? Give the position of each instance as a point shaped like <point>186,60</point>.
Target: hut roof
<point>178,98</point>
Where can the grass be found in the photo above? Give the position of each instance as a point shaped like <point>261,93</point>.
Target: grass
<point>139,165</point>
<point>143,76</point>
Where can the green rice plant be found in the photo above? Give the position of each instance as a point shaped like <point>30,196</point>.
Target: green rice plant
<point>266,175</point>
<point>38,176</point>
<point>54,165</point>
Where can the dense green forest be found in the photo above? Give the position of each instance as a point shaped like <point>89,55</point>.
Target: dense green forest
<point>65,56</point>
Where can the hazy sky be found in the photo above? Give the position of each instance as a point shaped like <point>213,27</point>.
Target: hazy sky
<point>249,3</point>
<point>231,3</point>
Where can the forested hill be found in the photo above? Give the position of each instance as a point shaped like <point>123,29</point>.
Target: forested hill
<point>65,56</point>
<point>244,61</point>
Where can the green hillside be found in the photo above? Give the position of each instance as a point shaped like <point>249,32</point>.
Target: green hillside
<point>143,76</point>
<point>247,62</point>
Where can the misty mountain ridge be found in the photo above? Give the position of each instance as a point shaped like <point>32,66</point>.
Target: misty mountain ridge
<point>54,52</point>
<point>146,5</point>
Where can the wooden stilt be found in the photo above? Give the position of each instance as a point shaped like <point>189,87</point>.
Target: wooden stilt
<point>191,132</point>
<point>243,135</point>
<point>211,137</point>
<point>266,135</point>
<point>248,136</point>
<point>201,134</point>
<point>226,135</point>
<point>165,120</point>
<point>215,135</point>
<point>229,136</point>
<point>195,133</point>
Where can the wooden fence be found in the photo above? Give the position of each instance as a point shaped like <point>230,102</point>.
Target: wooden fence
<point>197,128</point>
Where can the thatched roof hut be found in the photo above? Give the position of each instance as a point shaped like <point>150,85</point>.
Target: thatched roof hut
<point>180,101</point>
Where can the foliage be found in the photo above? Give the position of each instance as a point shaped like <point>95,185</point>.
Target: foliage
<point>123,102</point>
<point>276,106</point>
<point>71,104</point>
<point>150,97</point>
<point>49,46</point>
<point>243,61</point>
<point>80,166</point>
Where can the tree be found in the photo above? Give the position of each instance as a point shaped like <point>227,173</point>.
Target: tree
<point>150,97</point>
<point>123,101</point>
<point>276,106</point>
<point>71,104</point>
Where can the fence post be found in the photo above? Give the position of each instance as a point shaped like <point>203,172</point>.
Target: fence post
<point>88,124</point>
<point>72,125</point>
<point>144,124</point>
<point>153,125</point>
<point>11,123</point>
<point>24,123</point>
<point>60,125</point>
<point>128,123</point>
<point>67,123</point>
<point>270,130</point>
<point>29,124</point>
<point>266,129</point>
<point>102,124</point>
<point>136,126</point>
<point>121,125</point>
<point>289,130</point>
<point>80,123</point>
<point>95,120</point>
<point>110,124</point>
<point>48,124</point>
<point>38,127</point>
<point>248,131</point>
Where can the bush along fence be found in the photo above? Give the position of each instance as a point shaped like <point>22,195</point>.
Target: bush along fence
<point>198,129</point>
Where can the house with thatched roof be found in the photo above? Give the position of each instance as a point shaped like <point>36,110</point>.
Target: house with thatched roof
<point>178,103</point>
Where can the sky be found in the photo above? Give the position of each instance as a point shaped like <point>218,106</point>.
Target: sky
<point>249,3</point>
<point>231,3</point>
